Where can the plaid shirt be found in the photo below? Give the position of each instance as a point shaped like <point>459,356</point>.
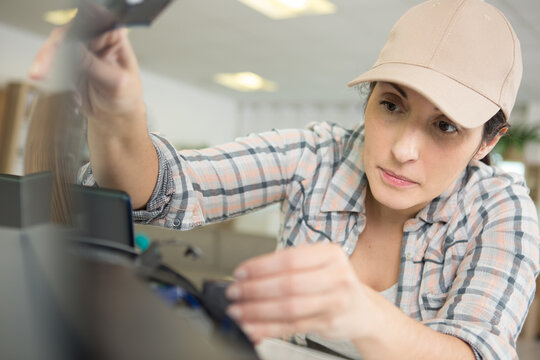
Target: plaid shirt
<point>468,261</point>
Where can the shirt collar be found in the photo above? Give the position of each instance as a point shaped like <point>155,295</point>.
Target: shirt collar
<point>444,206</point>
<point>347,188</point>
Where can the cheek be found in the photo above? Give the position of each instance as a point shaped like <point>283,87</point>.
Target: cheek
<point>377,139</point>
<point>442,167</point>
<point>369,150</point>
<point>453,156</point>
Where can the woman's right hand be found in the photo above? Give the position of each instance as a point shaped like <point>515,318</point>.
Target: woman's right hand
<point>108,79</point>
<point>108,82</point>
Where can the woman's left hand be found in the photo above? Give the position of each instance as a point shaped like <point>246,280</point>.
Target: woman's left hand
<point>310,288</point>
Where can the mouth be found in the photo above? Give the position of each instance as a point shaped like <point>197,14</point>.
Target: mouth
<point>396,180</point>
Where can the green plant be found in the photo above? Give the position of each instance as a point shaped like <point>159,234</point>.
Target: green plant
<point>517,137</point>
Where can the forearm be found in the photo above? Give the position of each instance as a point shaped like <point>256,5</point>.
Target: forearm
<point>123,157</point>
<point>397,336</point>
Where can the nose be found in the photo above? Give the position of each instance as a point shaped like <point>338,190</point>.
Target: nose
<point>407,143</point>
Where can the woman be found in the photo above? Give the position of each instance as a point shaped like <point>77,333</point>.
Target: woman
<point>419,250</point>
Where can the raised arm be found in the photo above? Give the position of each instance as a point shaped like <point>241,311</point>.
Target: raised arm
<point>197,187</point>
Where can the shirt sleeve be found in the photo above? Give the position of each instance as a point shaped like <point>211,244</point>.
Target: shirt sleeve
<point>495,283</point>
<point>196,187</point>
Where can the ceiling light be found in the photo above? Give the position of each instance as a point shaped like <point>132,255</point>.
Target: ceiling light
<point>295,4</point>
<point>283,9</point>
<point>60,17</point>
<point>245,81</point>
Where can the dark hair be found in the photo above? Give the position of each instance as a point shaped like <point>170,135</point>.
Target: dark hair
<point>492,127</point>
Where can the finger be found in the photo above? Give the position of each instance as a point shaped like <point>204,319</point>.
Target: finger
<point>104,73</point>
<point>285,309</point>
<point>303,257</point>
<point>111,54</point>
<point>44,59</point>
<point>299,282</point>
<point>127,57</point>
<point>104,40</point>
<point>114,42</point>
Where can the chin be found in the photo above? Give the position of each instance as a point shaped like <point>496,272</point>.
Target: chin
<point>393,198</point>
<point>394,201</point>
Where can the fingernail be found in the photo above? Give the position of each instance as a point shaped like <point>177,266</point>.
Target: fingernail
<point>240,274</point>
<point>235,312</point>
<point>248,329</point>
<point>232,292</point>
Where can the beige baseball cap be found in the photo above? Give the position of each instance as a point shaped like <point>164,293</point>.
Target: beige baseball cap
<point>462,55</point>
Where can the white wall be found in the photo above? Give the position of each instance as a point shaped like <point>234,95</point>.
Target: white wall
<point>187,115</point>
<point>17,50</point>
<point>258,116</point>
<point>532,116</point>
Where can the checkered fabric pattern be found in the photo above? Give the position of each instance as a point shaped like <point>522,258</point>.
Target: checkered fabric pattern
<point>469,259</point>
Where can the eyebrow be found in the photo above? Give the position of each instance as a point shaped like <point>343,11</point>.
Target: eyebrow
<point>399,90</point>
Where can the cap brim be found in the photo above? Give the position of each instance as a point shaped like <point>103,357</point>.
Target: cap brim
<point>457,101</point>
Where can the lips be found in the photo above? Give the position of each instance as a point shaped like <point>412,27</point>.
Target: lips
<point>396,179</point>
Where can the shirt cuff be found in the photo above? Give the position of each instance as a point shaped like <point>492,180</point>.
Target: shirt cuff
<point>86,177</point>
<point>484,344</point>
<point>157,206</point>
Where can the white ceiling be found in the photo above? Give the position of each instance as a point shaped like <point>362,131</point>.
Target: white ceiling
<point>310,58</point>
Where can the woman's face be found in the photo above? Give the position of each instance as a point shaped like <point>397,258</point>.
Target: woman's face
<point>412,151</point>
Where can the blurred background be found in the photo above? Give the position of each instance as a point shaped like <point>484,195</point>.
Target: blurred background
<point>215,70</point>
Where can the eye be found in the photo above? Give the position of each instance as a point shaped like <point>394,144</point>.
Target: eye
<point>390,106</point>
<point>446,127</point>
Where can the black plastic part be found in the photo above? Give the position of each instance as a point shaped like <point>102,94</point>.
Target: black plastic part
<point>26,199</point>
<point>103,214</point>
<point>96,17</point>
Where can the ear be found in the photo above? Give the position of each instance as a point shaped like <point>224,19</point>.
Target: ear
<point>485,148</point>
